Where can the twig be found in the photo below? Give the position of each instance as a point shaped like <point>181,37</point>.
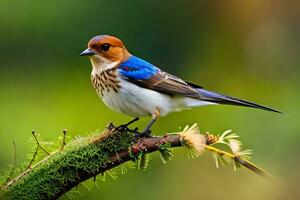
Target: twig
<point>242,161</point>
<point>37,142</point>
<point>29,168</point>
<point>64,139</point>
<point>33,158</point>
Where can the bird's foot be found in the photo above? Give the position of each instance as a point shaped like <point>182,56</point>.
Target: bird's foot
<point>146,133</point>
<point>122,127</point>
<point>143,134</point>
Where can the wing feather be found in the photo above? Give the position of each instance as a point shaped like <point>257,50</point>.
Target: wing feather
<point>168,84</point>
<point>144,74</point>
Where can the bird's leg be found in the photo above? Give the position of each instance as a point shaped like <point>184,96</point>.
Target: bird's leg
<point>147,132</point>
<point>125,126</point>
<point>131,121</point>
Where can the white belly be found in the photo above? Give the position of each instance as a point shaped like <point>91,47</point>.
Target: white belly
<point>135,101</point>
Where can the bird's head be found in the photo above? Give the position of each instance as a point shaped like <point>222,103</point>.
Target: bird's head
<point>105,50</point>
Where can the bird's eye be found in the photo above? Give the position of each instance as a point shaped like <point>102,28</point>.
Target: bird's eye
<point>105,47</point>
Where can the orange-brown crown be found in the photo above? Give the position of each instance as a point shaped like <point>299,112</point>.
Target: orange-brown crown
<point>109,47</point>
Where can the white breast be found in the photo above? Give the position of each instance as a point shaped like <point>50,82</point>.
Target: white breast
<point>135,101</point>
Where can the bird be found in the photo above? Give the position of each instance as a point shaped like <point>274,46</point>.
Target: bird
<point>132,86</point>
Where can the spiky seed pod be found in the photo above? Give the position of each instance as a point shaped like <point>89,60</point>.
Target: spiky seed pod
<point>192,140</point>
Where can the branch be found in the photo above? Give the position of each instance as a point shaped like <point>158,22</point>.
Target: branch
<point>85,158</point>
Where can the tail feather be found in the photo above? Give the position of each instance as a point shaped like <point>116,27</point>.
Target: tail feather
<point>214,97</point>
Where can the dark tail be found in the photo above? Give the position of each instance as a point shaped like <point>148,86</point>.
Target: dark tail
<point>223,99</point>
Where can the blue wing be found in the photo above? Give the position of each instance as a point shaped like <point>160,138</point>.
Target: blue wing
<point>146,75</point>
<point>137,69</point>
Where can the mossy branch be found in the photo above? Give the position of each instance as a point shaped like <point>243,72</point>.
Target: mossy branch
<point>85,158</point>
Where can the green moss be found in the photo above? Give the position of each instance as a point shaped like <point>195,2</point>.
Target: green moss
<point>166,151</point>
<point>143,161</point>
<point>80,156</point>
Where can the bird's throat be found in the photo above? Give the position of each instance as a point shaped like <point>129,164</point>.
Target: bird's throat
<point>100,63</point>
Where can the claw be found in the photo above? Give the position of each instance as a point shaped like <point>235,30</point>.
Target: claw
<point>146,134</point>
<point>122,127</point>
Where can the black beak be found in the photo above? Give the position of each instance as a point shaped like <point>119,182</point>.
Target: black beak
<point>87,52</point>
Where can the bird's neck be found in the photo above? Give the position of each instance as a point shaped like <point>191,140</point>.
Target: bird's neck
<point>101,64</point>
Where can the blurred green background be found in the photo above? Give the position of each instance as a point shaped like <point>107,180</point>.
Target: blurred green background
<point>248,49</point>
